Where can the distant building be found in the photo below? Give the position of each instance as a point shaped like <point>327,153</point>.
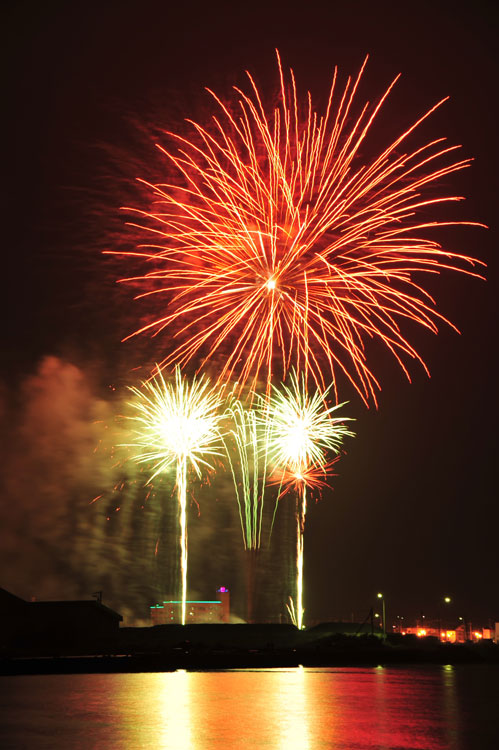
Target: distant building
<point>458,635</point>
<point>444,635</point>
<point>202,611</point>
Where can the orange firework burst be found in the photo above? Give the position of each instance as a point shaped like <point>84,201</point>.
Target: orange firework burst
<point>314,477</point>
<point>276,244</point>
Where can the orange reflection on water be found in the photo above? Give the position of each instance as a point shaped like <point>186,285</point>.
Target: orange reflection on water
<point>303,709</point>
<point>173,720</point>
<point>265,708</point>
<point>276,709</point>
<point>291,705</point>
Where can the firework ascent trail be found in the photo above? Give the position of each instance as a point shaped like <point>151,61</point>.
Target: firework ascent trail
<point>176,424</point>
<point>273,241</point>
<point>245,448</point>
<point>301,433</point>
<point>247,455</point>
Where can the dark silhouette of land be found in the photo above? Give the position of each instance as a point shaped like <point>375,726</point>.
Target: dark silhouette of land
<point>85,636</point>
<point>201,647</point>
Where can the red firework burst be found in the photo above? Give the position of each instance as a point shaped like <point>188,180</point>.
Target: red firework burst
<point>274,243</point>
<point>314,477</point>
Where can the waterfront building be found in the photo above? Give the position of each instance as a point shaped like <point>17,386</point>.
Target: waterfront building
<point>197,611</point>
<point>58,624</point>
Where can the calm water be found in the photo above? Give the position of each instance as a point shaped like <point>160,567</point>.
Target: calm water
<point>431,708</point>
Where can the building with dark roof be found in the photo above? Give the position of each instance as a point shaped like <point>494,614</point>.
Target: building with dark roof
<point>53,624</point>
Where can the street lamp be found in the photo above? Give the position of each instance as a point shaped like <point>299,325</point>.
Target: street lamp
<point>446,600</point>
<point>380,596</point>
<point>463,621</point>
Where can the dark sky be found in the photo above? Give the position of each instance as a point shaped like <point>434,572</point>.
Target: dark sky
<point>414,511</point>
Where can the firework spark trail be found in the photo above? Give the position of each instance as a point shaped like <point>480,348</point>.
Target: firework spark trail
<point>245,447</point>
<point>290,606</point>
<point>248,441</point>
<point>301,433</point>
<point>300,532</point>
<point>176,424</point>
<point>273,240</point>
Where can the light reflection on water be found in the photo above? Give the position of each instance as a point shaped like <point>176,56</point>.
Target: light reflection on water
<point>293,709</point>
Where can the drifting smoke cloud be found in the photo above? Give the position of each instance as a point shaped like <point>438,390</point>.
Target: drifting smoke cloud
<point>50,472</point>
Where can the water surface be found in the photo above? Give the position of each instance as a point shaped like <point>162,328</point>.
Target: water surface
<point>430,708</point>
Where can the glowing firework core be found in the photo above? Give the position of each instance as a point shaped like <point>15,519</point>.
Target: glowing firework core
<point>297,442</point>
<point>181,434</point>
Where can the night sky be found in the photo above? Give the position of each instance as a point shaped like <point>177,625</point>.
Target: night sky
<point>414,511</point>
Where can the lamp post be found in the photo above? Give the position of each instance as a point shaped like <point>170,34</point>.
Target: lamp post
<point>467,628</point>
<point>380,596</point>
<point>447,600</point>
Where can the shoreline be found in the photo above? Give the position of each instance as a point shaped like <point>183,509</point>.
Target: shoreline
<point>213,661</point>
<point>166,648</point>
